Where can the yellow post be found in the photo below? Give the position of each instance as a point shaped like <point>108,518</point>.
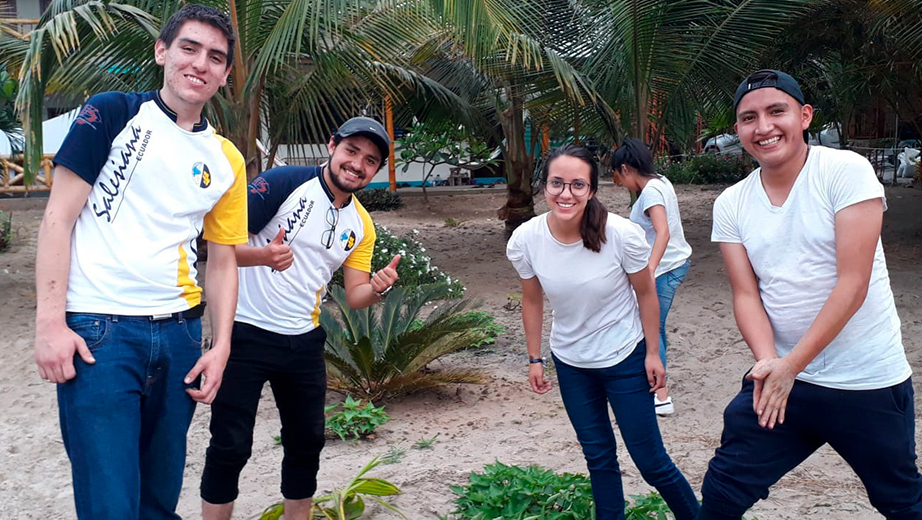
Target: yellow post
<point>389,122</point>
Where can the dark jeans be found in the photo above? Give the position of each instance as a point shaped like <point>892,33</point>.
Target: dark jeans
<point>124,418</point>
<point>873,430</point>
<point>586,393</point>
<point>295,369</point>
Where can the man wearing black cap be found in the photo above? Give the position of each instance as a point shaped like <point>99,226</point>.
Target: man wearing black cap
<point>800,237</point>
<point>304,224</point>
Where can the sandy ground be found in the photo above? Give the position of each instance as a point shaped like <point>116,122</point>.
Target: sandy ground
<point>478,424</point>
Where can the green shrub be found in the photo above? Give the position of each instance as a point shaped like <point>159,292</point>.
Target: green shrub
<point>483,321</point>
<point>709,168</point>
<point>415,267</point>
<point>6,231</point>
<point>355,420</point>
<point>379,199</point>
<point>533,493</point>
<point>512,492</point>
<point>373,353</point>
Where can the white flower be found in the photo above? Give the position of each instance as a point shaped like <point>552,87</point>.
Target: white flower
<point>415,231</point>
<point>423,249</point>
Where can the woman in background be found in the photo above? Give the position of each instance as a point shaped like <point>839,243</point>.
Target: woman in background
<point>604,339</point>
<point>657,212</point>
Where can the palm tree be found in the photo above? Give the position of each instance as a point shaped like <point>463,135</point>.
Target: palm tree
<point>661,61</point>
<point>514,62</point>
<point>310,63</point>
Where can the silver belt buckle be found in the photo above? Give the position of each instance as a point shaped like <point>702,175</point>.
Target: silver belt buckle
<point>158,317</point>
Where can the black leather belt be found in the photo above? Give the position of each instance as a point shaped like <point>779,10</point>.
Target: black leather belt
<point>195,312</point>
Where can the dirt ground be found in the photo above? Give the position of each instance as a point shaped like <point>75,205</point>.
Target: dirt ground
<point>477,424</point>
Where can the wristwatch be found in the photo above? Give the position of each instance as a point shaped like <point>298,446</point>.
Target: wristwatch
<point>542,360</point>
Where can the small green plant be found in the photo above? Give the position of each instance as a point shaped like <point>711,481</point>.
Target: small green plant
<point>709,168</point>
<point>376,352</point>
<point>450,222</point>
<point>509,492</point>
<point>379,199</point>
<point>394,455</point>
<point>481,320</point>
<point>354,419</point>
<point>425,443</point>
<point>6,231</point>
<point>346,503</point>
<point>277,439</point>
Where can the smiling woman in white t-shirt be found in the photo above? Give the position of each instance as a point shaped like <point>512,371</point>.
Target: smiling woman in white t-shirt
<point>592,265</point>
<point>657,212</point>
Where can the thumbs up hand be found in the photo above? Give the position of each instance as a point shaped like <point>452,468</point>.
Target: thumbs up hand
<point>385,278</point>
<point>277,254</point>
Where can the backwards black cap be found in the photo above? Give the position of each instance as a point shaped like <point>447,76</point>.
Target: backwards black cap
<point>369,128</point>
<point>769,78</point>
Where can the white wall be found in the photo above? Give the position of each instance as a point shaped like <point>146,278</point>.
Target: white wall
<point>291,154</point>
<point>28,9</point>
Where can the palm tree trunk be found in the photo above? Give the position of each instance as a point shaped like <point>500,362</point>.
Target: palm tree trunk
<point>519,205</point>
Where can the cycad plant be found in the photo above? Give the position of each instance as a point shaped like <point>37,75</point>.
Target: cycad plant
<point>380,352</point>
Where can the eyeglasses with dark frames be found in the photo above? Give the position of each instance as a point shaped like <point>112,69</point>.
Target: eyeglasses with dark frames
<point>578,188</point>
<point>328,236</point>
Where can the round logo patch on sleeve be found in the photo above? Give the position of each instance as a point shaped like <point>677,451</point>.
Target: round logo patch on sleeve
<point>347,239</point>
<point>201,174</point>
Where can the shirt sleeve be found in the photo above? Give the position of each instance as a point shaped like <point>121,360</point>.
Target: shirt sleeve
<point>852,180</point>
<point>725,227</point>
<point>89,140</point>
<point>635,252</point>
<point>226,223</point>
<point>517,253</point>
<point>267,192</point>
<point>652,195</point>
<point>361,257</point>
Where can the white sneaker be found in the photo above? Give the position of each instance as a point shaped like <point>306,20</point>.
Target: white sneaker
<point>663,407</point>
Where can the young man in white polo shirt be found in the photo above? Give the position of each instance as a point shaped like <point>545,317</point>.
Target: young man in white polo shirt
<point>800,237</point>
<point>138,178</point>
<point>304,224</point>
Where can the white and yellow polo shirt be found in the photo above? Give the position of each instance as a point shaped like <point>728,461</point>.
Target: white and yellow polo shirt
<point>156,187</point>
<point>321,236</point>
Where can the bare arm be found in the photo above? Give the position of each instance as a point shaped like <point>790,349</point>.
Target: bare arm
<point>276,254</point>
<point>645,288</point>
<point>221,283</point>
<point>661,227</point>
<point>362,288</point>
<point>533,322</point>
<point>55,343</point>
<point>747,302</point>
<point>857,232</point>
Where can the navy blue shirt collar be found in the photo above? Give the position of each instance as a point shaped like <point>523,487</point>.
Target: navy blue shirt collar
<point>197,127</point>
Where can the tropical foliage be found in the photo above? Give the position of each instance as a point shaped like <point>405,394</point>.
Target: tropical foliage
<point>352,418</point>
<point>10,126</point>
<point>346,503</point>
<point>415,267</point>
<point>379,199</point>
<point>710,168</point>
<point>376,352</point>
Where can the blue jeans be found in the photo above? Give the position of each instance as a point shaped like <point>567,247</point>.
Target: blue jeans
<point>666,285</point>
<point>124,418</point>
<point>586,393</point>
<point>873,430</point>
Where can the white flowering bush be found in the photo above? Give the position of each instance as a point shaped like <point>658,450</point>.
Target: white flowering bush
<point>415,267</point>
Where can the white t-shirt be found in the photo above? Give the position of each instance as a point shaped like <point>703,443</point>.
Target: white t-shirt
<point>659,192</point>
<point>596,319</point>
<point>792,249</point>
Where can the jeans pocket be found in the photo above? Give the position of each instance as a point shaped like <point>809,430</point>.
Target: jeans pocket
<point>900,397</point>
<point>193,330</point>
<point>91,327</point>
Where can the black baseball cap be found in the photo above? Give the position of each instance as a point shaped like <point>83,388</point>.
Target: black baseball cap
<point>369,128</point>
<point>769,78</point>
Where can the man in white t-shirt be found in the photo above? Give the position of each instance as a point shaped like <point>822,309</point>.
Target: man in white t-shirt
<point>800,237</point>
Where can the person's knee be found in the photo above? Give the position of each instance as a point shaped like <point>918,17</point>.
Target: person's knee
<point>600,455</point>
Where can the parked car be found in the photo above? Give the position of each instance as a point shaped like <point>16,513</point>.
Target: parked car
<point>724,143</point>
<point>828,136</point>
